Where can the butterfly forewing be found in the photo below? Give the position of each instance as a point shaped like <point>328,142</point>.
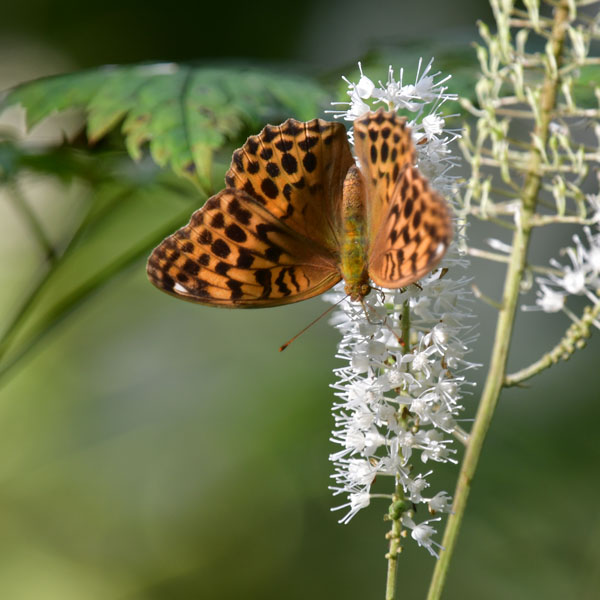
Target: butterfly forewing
<point>383,145</point>
<point>296,171</point>
<point>234,253</point>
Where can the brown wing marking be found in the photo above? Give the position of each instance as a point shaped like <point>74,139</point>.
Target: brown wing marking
<point>414,235</point>
<point>296,171</point>
<point>233,253</point>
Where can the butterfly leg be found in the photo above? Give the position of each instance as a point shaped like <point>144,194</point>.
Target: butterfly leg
<point>366,310</point>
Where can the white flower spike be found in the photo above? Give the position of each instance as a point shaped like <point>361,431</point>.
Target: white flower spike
<point>398,401</point>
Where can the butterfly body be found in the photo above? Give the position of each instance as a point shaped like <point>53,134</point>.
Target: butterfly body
<point>298,215</point>
<point>354,246</point>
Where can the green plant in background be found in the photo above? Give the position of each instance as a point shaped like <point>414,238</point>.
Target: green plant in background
<point>534,158</point>
<point>523,182</point>
<point>185,114</point>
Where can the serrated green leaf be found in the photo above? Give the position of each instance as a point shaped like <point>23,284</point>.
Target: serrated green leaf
<point>48,95</point>
<point>183,113</point>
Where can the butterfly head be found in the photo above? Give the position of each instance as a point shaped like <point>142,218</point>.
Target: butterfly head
<point>357,290</point>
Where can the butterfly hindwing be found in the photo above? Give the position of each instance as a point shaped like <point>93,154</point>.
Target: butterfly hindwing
<point>414,235</point>
<point>409,223</point>
<point>234,253</point>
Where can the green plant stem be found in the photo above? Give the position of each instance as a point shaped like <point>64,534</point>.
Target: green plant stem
<point>394,535</point>
<point>506,316</point>
<point>32,298</point>
<point>92,219</point>
<point>405,323</point>
<point>32,221</point>
<point>78,296</point>
<point>573,339</point>
<point>395,512</point>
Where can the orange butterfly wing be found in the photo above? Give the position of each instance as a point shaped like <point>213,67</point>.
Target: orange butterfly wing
<point>272,236</point>
<point>296,171</point>
<point>415,234</point>
<point>233,253</point>
<point>410,225</point>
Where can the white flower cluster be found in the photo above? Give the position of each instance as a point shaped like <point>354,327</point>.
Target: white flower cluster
<point>579,278</point>
<point>397,405</point>
<point>423,100</point>
<point>398,399</point>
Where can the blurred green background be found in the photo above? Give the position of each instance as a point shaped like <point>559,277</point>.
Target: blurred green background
<point>153,449</point>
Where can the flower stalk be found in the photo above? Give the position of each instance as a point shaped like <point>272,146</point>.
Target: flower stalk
<point>399,396</point>
<point>505,322</point>
<point>574,339</point>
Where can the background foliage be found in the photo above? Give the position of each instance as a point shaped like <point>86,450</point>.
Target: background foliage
<point>155,449</point>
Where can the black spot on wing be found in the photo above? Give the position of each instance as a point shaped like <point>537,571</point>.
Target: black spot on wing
<point>310,162</point>
<point>205,237</point>
<point>220,248</point>
<point>217,222</point>
<point>284,145</point>
<point>273,169</point>
<point>269,188</point>
<point>235,233</point>
<point>242,215</point>
<point>245,259</point>
<point>281,285</point>
<point>289,163</point>
<point>236,289</point>
<point>263,278</point>
<point>191,267</point>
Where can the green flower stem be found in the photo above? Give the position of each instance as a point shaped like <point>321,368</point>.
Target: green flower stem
<point>573,339</point>
<point>394,535</point>
<point>405,327</point>
<point>506,316</point>
<point>397,507</point>
<point>542,220</point>
<point>481,296</point>
<point>487,255</point>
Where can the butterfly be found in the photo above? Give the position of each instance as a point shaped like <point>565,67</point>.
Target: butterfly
<point>298,215</point>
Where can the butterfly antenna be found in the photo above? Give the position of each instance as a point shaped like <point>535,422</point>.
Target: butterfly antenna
<point>282,348</point>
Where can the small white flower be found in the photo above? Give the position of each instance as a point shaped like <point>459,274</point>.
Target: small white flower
<point>358,500</point>
<point>594,204</point>
<point>361,472</point>
<point>441,502</point>
<point>416,486</point>
<point>499,245</point>
<point>365,86</point>
<point>422,534</point>
<point>572,279</point>
<point>433,126</point>
<point>581,277</point>
<point>548,300</point>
